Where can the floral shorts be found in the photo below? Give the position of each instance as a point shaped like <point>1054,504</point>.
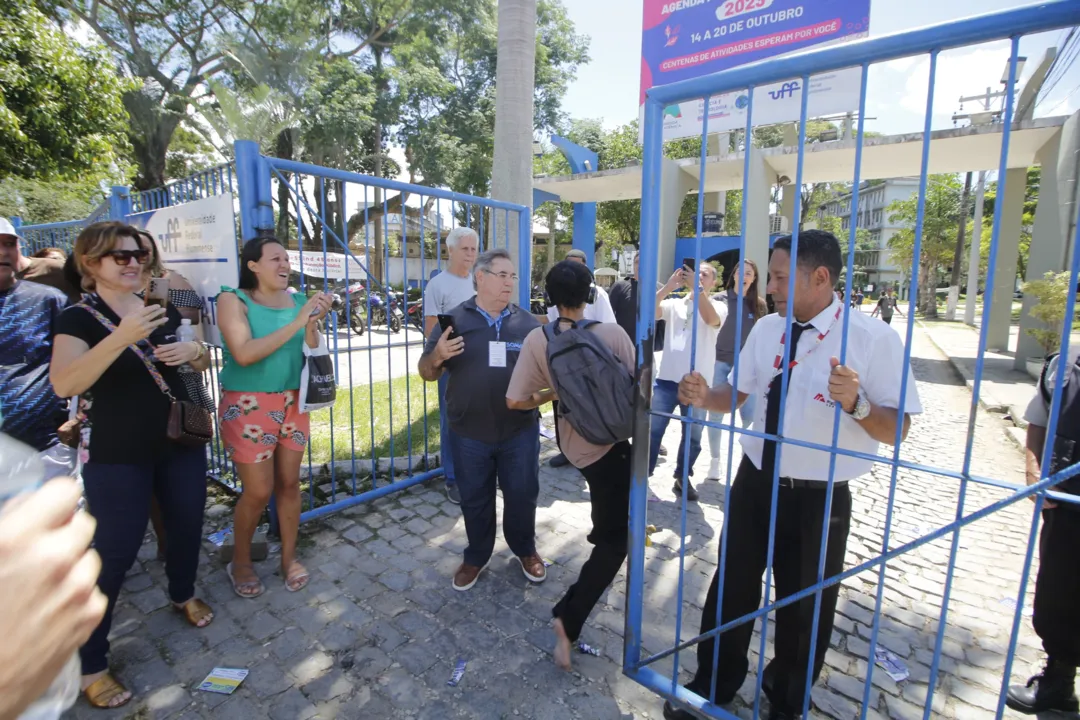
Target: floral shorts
<point>253,424</point>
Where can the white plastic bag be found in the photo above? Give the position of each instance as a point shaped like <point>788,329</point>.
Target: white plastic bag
<point>318,387</point>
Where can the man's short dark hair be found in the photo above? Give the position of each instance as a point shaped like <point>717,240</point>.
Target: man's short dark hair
<point>817,248</point>
<point>568,283</point>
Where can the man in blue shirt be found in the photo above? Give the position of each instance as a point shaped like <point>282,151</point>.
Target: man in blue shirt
<point>31,410</point>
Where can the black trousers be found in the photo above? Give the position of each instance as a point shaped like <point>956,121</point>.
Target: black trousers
<point>1057,586</point>
<point>609,496</point>
<point>799,514</point>
<point>119,499</point>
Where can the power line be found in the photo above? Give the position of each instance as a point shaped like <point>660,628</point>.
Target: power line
<point>1065,65</point>
<point>1064,100</point>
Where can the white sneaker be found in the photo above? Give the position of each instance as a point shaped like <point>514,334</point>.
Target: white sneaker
<point>714,469</point>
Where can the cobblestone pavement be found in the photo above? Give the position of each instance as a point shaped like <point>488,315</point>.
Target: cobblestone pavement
<point>378,631</point>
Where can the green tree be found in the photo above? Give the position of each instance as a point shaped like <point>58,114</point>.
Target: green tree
<point>940,219</point>
<point>61,114</point>
<point>47,201</point>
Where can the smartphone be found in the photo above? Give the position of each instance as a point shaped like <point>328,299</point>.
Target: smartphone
<point>688,263</point>
<point>446,321</point>
<point>158,292</point>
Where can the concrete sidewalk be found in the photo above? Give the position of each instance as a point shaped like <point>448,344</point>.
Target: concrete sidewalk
<point>1003,389</point>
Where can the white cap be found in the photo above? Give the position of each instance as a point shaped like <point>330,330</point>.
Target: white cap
<point>6,228</point>
<point>185,321</point>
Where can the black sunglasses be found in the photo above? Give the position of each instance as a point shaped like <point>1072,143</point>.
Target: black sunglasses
<point>124,257</point>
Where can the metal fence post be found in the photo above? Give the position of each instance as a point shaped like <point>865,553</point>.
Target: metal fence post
<point>525,253</point>
<point>16,221</point>
<point>246,153</point>
<point>119,202</point>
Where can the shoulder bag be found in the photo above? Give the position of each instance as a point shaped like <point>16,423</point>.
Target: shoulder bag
<point>189,423</point>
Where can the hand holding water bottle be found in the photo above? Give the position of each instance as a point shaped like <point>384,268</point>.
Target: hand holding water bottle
<point>48,589</point>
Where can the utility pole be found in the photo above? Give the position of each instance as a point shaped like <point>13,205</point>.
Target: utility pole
<point>980,118</point>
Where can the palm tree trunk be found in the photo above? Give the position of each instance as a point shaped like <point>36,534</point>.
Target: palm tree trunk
<point>511,175</point>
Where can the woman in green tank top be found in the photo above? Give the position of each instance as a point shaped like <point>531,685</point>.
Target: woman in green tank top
<point>264,327</point>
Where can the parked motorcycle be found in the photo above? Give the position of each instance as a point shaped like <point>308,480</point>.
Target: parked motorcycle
<point>414,311</point>
<point>385,310</point>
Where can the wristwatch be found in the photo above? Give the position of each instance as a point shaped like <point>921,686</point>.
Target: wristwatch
<point>862,407</point>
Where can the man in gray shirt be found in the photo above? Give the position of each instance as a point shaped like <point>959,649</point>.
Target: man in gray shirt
<point>443,293</point>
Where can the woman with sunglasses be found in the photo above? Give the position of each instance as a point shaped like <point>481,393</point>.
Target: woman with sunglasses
<point>99,348</point>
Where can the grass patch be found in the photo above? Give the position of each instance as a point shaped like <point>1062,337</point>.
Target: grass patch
<point>398,428</point>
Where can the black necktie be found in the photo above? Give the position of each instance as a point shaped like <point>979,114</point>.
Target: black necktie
<point>772,402</point>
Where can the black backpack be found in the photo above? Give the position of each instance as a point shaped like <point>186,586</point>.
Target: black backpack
<point>596,391</point>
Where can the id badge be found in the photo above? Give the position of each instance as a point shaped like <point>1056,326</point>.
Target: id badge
<point>496,354</point>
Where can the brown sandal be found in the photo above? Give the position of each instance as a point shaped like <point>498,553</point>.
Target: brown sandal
<point>102,691</point>
<point>195,611</point>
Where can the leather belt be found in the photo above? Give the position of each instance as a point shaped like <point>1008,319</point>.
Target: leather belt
<point>796,484</point>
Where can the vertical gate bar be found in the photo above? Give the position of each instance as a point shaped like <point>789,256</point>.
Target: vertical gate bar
<point>785,377</point>
<point>323,203</point>
<point>420,316</point>
<point>367,318</point>
<point>303,289</point>
<point>685,425</point>
<point>831,486</point>
<point>1018,615</point>
<point>740,302</point>
<point>1045,459</point>
<point>386,312</point>
<point>405,323</point>
<point>349,257</point>
<point>643,338</point>
<point>480,211</point>
<point>913,295</point>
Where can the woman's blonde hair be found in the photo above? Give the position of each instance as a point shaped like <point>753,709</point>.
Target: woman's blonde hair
<point>97,240</point>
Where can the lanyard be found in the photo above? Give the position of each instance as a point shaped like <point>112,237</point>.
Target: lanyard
<point>497,322</point>
<point>817,341</point>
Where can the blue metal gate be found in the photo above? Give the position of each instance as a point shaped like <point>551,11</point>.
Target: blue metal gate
<point>351,461</point>
<point>658,668</point>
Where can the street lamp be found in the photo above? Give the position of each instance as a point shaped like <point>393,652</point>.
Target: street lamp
<point>1019,70</point>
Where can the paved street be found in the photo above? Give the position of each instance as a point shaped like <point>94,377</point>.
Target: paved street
<point>377,633</point>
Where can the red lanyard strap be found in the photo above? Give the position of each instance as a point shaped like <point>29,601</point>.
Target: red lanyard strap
<point>164,386</point>
<point>821,336</point>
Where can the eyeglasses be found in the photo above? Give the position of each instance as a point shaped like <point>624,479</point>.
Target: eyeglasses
<point>124,257</point>
<point>504,276</point>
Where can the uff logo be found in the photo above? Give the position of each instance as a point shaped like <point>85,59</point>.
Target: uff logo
<point>824,400</point>
<point>788,89</point>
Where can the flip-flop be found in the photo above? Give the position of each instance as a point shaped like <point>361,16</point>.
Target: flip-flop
<point>256,584</point>
<point>102,691</point>
<point>303,577</point>
<point>194,611</point>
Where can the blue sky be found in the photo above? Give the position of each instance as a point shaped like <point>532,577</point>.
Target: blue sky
<point>607,88</point>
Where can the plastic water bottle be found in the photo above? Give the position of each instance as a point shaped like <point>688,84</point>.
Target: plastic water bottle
<point>185,333</point>
<point>21,470</point>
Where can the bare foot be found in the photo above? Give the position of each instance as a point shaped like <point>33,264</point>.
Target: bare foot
<point>562,645</point>
<point>116,700</point>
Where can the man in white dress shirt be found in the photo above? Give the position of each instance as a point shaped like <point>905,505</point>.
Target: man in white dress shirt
<point>598,309</point>
<point>867,387</point>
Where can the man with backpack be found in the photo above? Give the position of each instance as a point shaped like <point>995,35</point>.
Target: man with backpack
<point>886,305</point>
<point>1057,586</point>
<point>589,366</point>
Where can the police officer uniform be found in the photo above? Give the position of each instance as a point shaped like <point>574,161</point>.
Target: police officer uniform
<point>1057,587</point>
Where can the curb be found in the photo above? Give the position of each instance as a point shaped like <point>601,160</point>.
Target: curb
<point>1013,430</point>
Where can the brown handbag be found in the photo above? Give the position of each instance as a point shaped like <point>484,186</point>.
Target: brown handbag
<point>189,423</point>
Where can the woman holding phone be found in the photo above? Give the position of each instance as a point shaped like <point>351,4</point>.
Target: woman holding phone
<point>106,345</point>
<point>264,328</point>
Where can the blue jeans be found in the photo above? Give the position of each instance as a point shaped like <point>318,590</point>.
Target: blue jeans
<point>746,412</point>
<point>445,436</point>
<point>665,398</point>
<point>515,464</point>
<point>119,499</point>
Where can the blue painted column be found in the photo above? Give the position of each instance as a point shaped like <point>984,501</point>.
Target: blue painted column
<point>119,202</point>
<point>246,153</point>
<point>582,160</point>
